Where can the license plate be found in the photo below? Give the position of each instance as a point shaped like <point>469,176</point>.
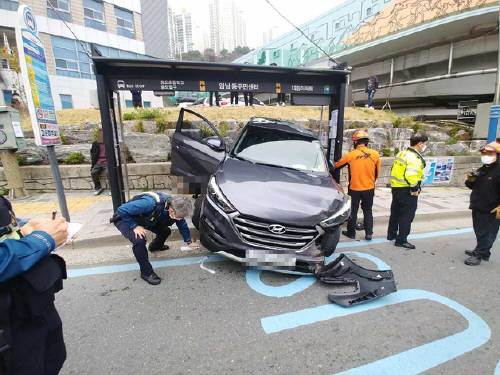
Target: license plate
<point>263,258</point>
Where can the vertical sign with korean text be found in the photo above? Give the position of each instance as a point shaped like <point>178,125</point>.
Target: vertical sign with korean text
<point>36,79</point>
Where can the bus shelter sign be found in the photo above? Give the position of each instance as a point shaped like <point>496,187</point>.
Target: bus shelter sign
<point>36,79</point>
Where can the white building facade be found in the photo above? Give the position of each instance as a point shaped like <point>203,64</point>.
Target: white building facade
<point>113,26</point>
<point>227,26</point>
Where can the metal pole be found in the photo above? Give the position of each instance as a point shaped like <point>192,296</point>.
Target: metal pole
<point>495,108</point>
<point>450,59</point>
<point>121,140</point>
<point>54,167</point>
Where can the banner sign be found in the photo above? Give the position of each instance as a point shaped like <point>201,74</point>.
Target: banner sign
<point>36,79</point>
<point>176,84</point>
<point>438,170</point>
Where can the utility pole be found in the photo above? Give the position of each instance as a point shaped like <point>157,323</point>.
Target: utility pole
<point>495,108</point>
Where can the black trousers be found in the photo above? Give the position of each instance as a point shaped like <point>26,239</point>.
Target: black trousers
<point>248,97</point>
<point>139,244</point>
<point>95,172</point>
<point>365,197</point>
<point>234,97</point>
<point>211,98</point>
<point>37,344</point>
<point>403,208</point>
<point>486,229</point>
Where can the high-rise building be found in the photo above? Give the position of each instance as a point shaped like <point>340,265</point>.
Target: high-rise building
<point>183,29</point>
<point>227,25</point>
<point>67,28</point>
<point>158,26</point>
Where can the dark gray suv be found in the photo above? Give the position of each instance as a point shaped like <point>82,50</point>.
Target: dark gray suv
<point>270,201</point>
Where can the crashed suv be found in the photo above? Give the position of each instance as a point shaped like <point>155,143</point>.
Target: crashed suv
<point>270,201</point>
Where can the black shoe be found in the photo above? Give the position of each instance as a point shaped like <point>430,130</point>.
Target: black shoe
<point>391,238</point>
<point>163,248</point>
<point>406,245</point>
<point>152,279</point>
<point>473,261</point>
<point>98,191</point>
<point>368,237</point>
<point>350,235</point>
<point>474,253</point>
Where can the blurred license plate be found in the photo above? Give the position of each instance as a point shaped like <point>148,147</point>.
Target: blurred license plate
<point>259,258</point>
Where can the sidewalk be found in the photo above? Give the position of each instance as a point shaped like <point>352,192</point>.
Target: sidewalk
<point>94,211</point>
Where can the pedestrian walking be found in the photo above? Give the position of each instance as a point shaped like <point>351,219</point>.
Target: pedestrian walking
<point>281,100</point>
<point>371,89</point>
<point>485,203</point>
<point>31,334</point>
<point>154,212</point>
<point>136,98</point>
<point>211,98</point>
<point>364,167</point>
<point>98,162</point>
<point>407,174</point>
<point>234,98</point>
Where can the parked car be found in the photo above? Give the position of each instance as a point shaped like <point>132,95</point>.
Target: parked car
<point>205,102</point>
<point>270,201</point>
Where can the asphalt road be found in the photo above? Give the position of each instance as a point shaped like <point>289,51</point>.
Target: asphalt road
<point>444,319</point>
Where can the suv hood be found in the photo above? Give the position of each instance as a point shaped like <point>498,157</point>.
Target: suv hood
<point>278,194</point>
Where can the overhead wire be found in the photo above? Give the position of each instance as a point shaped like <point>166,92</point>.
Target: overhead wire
<point>338,65</point>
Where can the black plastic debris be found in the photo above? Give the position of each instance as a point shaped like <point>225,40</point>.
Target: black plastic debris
<point>355,284</point>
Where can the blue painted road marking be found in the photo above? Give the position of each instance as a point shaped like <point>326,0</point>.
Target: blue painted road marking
<point>101,270</point>
<point>413,361</point>
<point>302,283</point>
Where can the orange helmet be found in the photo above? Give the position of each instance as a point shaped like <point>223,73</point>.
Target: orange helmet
<point>360,134</point>
<point>491,147</point>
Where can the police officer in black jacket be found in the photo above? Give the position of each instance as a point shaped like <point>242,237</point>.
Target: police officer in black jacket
<point>485,203</point>
<point>31,337</point>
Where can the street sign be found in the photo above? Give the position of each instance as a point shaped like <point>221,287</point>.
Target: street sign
<point>35,79</point>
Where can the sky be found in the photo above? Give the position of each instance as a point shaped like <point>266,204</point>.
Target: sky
<point>260,16</point>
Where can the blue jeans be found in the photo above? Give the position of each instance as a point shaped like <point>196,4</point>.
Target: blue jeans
<point>371,95</point>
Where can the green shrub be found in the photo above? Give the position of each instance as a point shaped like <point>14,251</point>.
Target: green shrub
<point>95,133</point>
<point>64,140</point>
<point>22,160</point>
<point>161,125</point>
<point>74,158</point>
<point>452,141</point>
<point>386,152</point>
<point>417,127</point>
<point>127,116</point>
<point>206,131</point>
<point>223,128</point>
<point>396,151</point>
<point>138,127</point>
<point>397,122</point>
<point>148,113</point>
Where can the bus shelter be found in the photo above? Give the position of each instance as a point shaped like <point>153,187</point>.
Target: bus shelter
<point>322,87</point>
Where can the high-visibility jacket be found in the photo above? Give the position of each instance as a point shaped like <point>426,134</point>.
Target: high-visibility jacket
<point>364,168</point>
<point>408,169</point>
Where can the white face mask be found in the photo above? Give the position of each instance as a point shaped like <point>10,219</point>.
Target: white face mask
<point>488,159</point>
<point>424,147</point>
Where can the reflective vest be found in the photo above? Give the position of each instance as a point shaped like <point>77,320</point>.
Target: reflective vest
<point>407,169</point>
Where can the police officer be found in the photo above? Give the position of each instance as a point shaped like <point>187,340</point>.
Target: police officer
<point>364,168</point>
<point>155,212</point>
<point>407,174</point>
<point>31,337</point>
<point>485,203</point>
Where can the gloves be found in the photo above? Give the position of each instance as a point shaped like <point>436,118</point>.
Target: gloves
<point>496,211</point>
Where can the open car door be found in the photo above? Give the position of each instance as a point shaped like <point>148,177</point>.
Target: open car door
<point>197,150</point>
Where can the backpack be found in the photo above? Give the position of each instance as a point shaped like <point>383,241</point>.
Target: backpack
<point>161,202</point>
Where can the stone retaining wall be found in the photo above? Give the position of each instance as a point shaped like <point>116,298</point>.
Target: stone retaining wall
<point>156,176</point>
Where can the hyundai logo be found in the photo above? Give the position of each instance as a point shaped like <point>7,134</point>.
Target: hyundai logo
<point>276,229</point>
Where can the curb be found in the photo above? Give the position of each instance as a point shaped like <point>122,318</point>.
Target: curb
<point>118,239</point>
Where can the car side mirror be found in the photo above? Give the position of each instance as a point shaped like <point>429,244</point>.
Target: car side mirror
<point>215,143</point>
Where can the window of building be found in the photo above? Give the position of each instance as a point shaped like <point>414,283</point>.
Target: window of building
<point>124,23</point>
<point>9,4</point>
<point>146,104</point>
<point>129,103</point>
<point>66,101</point>
<point>71,58</point>
<point>59,9</point>
<point>93,11</point>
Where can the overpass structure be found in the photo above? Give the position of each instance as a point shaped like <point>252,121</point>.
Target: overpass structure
<point>428,55</point>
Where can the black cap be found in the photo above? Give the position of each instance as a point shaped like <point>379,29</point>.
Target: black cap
<point>5,212</point>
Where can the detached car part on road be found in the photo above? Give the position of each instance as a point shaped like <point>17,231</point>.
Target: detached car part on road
<point>270,201</point>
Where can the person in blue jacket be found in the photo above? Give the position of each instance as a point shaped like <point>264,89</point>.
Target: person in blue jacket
<point>155,212</point>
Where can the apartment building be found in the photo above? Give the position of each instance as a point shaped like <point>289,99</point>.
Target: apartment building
<point>67,28</point>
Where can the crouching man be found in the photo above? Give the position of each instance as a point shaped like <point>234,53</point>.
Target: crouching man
<point>155,212</point>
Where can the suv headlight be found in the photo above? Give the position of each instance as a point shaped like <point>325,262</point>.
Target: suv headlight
<point>218,197</point>
<point>340,216</point>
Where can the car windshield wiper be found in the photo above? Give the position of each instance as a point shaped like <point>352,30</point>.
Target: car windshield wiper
<point>281,166</point>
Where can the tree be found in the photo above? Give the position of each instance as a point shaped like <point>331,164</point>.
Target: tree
<point>193,56</point>
<point>224,55</point>
<point>209,55</point>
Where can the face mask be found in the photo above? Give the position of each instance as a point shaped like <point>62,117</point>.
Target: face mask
<point>487,159</point>
<point>424,147</point>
